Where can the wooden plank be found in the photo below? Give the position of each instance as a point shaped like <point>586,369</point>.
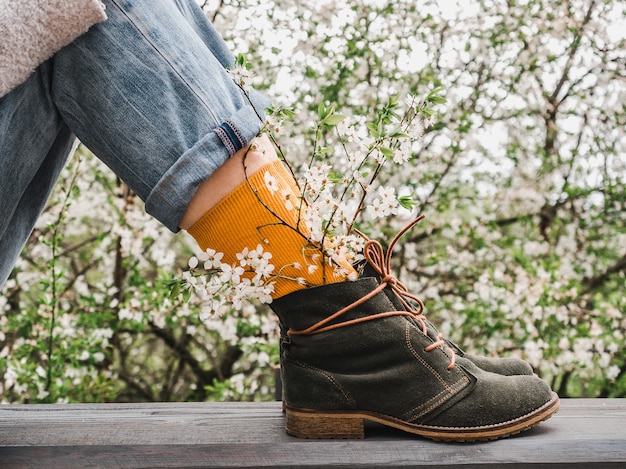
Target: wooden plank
<point>585,433</point>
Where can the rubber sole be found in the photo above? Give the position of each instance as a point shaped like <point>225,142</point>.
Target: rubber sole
<point>315,424</point>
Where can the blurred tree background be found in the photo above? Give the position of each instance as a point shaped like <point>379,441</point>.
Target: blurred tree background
<point>521,179</point>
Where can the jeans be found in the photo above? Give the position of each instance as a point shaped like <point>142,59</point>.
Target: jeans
<point>147,92</point>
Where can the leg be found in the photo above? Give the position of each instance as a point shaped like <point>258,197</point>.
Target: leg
<point>166,114</point>
<point>34,145</point>
<point>147,91</point>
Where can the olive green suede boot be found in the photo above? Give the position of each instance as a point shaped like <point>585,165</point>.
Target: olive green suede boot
<point>349,355</point>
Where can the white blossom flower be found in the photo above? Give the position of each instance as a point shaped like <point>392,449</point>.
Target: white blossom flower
<point>288,196</point>
<point>241,76</point>
<point>413,101</point>
<point>273,124</point>
<point>264,269</point>
<point>347,132</point>
<point>231,273</point>
<point>402,154</point>
<point>212,259</point>
<point>375,209</point>
<point>270,182</point>
<point>417,128</point>
<point>384,206</point>
<point>613,372</point>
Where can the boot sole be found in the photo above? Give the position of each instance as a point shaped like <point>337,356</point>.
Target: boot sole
<point>315,424</point>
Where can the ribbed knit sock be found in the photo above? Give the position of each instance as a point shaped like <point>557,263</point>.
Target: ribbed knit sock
<point>264,210</point>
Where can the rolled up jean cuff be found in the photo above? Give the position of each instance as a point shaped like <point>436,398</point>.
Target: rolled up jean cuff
<point>168,200</point>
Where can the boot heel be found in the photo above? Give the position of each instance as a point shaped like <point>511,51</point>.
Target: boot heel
<point>311,424</point>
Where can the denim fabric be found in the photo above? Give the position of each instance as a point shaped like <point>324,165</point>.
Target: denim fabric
<point>147,92</point>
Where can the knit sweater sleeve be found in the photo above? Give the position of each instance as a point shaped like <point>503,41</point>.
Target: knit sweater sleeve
<point>31,31</point>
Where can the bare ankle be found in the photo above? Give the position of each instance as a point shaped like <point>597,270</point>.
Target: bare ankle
<point>227,177</point>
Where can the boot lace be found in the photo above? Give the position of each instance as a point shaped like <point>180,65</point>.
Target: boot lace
<point>414,306</point>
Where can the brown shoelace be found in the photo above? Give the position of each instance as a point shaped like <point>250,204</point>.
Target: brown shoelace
<point>381,263</point>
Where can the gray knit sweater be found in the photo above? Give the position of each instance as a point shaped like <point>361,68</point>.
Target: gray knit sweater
<point>31,31</point>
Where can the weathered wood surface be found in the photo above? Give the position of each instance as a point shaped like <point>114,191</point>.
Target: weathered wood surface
<point>585,433</point>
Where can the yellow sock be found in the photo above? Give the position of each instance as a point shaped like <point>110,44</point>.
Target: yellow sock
<point>257,212</point>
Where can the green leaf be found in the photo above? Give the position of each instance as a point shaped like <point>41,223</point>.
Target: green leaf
<point>334,119</point>
<point>388,152</point>
<point>373,128</point>
<point>406,201</point>
<point>321,111</point>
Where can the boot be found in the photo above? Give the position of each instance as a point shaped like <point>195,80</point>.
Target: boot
<point>349,355</point>
<point>376,266</point>
<point>506,366</point>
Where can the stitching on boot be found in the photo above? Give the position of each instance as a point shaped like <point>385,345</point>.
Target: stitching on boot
<point>439,399</point>
<point>421,360</point>
<point>330,378</point>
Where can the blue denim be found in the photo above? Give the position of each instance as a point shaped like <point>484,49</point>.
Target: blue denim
<point>147,91</point>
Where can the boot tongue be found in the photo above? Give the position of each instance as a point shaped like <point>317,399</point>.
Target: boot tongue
<point>303,308</point>
<point>368,271</point>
